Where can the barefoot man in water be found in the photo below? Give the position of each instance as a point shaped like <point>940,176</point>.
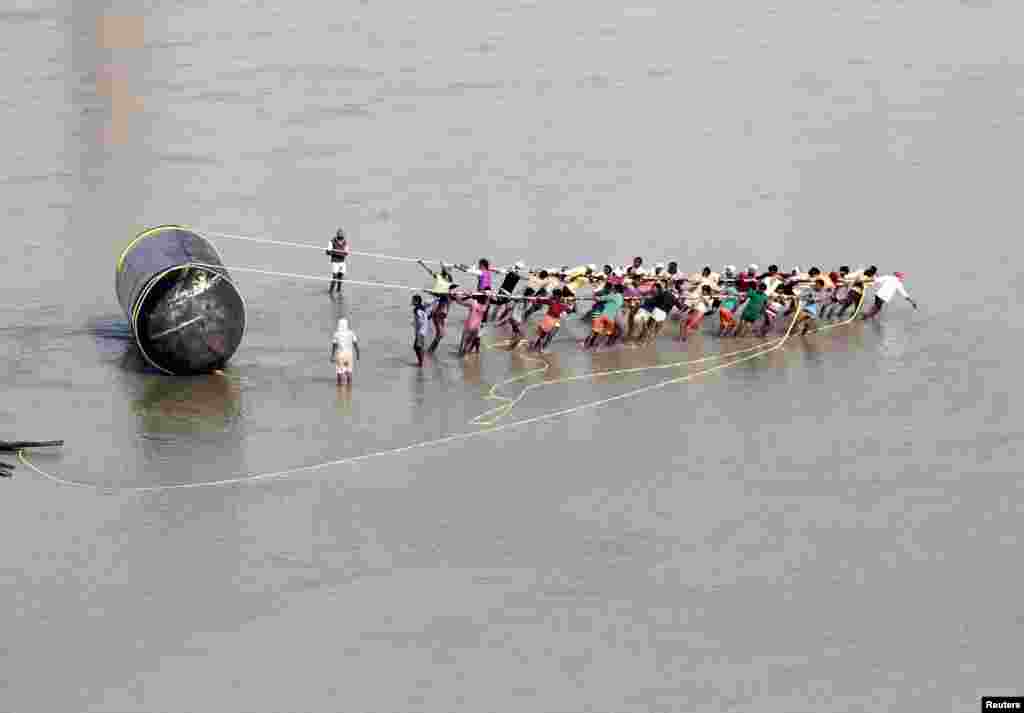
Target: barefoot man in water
<point>337,250</point>
<point>342,346</point>
<point>886,288</point>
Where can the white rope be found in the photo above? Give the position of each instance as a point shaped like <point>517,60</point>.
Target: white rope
<point>320,278</point>
<point>243,479</point>
<point>363,283</point>
<point>392,451</point>
<point>266,241</point>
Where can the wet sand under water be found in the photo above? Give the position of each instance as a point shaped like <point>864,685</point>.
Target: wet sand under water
<point>833,526</point>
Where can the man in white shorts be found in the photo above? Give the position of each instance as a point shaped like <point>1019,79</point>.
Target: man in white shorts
<point>653,312</point>
<point>337,250</point>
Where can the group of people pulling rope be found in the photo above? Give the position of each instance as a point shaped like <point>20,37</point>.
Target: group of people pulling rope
<point>630,303</point>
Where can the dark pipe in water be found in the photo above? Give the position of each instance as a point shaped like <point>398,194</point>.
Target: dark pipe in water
<point>185,318</point>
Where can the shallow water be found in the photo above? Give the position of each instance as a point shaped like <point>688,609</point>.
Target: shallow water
<point>834,526</point>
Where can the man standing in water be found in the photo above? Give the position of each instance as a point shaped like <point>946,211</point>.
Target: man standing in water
<point>337,250</point>
<point>342,346</point>
<point>886,288</point>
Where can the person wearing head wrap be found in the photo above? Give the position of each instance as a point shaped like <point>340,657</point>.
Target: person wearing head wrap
<point>342,346</point>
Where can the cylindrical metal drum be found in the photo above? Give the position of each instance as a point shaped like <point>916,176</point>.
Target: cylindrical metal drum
<point>186,314</point>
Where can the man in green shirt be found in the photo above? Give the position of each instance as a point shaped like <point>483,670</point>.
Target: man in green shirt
<point>754,309</point>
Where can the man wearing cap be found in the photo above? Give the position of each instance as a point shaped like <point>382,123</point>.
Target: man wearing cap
<point>886,288</point>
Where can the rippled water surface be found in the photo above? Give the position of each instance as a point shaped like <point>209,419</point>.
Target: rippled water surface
<point>832,526</point>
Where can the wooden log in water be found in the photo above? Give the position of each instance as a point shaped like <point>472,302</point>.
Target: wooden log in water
<point>15,446</point>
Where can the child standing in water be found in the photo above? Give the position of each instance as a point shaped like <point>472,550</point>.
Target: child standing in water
<point>342,346</point>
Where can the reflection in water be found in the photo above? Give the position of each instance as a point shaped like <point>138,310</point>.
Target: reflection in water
<point>420,388</point>
<point>471,369</point>
<point>189,405</point>
<point>343,400</point>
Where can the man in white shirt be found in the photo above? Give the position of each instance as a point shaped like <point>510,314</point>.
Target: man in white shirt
<point>886,288</point>
<point>342,346</point>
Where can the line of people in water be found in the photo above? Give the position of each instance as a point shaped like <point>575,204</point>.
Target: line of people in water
<point>631,303</point>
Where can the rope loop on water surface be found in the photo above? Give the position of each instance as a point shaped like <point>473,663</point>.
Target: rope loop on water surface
<point>494,415</point>
<point>489,419</point>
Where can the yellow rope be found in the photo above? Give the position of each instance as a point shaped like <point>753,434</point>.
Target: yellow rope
<point>492,416</point>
